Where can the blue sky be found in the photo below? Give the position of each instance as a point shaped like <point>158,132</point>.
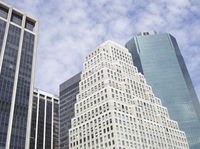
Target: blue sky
<point>69,29</point>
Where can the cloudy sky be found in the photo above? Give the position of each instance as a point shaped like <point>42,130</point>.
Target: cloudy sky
<point>69,29</point>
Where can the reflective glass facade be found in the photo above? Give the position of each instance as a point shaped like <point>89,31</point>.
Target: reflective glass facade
<point>17,48</point>
<point>56,125</point>
<point>23,92</point>
<point>33,122</point>
<point>7,79</point>
<point>158,57</point>
<point>45,121</point>
<point>40,131</point>
<point>48,124</point>
<point>2,31</point>
<point>68,91</point>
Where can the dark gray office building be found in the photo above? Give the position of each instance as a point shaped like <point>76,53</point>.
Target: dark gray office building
<point>18,40</point>
<point>45,121</point>
<point>158,57</point>
<point>68,91</point>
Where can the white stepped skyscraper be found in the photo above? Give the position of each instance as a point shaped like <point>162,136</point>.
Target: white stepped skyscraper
<point>117,109</point>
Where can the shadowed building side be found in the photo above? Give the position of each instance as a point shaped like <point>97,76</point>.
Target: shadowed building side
<point>68,91</point>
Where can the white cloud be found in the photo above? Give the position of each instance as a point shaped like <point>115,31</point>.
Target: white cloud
<point>70,29</point>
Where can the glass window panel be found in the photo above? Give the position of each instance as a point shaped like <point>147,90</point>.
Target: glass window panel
<point>3,12</point>
<point>29,25</point>
<point>16,18</point>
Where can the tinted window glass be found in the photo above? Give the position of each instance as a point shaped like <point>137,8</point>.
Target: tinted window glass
<point>16,19</point>
<point>3,12</point>
<point>29,25</point>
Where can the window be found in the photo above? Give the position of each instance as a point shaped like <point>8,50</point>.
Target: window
<point>16,18</point>
<point>3,12</point>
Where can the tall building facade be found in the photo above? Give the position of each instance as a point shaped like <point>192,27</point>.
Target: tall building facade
<point>68,91</point>
<point>45,121</point>
<point>18,40</point>
<point>158,57</point>
<point>116,108</point>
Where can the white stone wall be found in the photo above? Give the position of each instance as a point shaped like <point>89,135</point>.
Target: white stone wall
<point>117,109</point>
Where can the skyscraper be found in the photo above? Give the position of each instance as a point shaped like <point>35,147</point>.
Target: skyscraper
<point>18,40</point>
<point>68,91</point>
<point>45,121</point>
<point>116,108</point>
<point>158,57</point>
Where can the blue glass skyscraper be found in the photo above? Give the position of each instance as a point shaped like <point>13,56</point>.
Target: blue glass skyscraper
<point>158,57</point>
<point>18,39</point>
